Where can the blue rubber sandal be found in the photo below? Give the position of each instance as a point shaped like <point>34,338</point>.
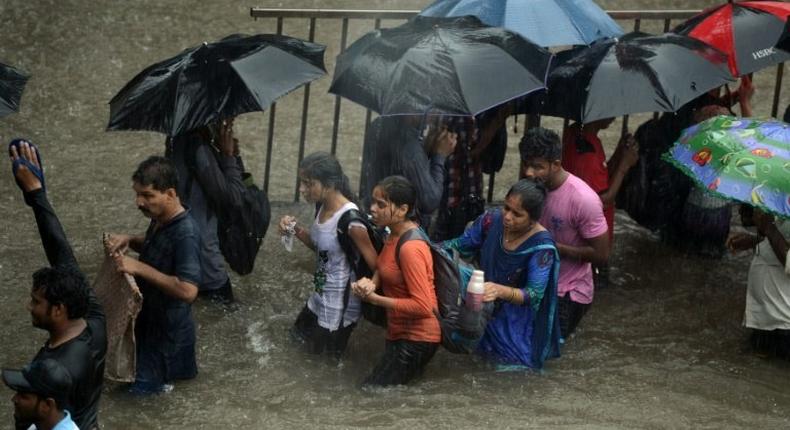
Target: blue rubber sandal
<point>39,172</point>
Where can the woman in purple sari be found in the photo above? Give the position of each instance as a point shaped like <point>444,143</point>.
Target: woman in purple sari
<point>521,266</point>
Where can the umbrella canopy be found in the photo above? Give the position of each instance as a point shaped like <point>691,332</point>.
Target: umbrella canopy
<point>544,22</point>
<point>784,40</point>
<point>637,73</point>
<point>211,81</point>
<point>737,158</point>
<point>746,31</point>
<point>453,66</point>
<point>12,84</point>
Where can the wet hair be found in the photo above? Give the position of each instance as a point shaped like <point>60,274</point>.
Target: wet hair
<point>324,168</point>
<point>532,194</point>
<point>398,190</point>
<point>64,287</point>
<point>540,142</point>
<point>786,117</point>
<point>158,172</point>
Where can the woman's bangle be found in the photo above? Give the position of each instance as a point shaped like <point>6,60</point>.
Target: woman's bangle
<point>512,295</point>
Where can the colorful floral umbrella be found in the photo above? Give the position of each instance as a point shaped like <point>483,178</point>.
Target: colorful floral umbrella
<point>738,158</point>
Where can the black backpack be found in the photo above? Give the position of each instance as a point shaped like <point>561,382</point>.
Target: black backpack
<point>241,231</point>
<point>461,328</point>
<point>375,314</point>
<point>242,227</point>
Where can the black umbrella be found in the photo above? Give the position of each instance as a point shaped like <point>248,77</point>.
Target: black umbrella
<point>455,66</point>
<point>637,73</point>
<point>784,40</point>
<point>215,80</point>
<point>12,83</point>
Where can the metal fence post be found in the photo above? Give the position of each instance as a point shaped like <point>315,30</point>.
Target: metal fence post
<point>336,119</point>
<point>780,69</point>
<point>305,106</point>
<point>637,16</point>
<point>270,132</point>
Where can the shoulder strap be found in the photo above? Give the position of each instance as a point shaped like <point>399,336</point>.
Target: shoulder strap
<point>343,222</point>
<point>346,218</point>
<point>345,244</point>
<point>413,234</point>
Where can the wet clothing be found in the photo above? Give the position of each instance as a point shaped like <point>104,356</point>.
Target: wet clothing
<point>584,157</point>
<point>413,332</point>
<point>704,224</point>
<point>330,302</point>
<point>653,191</point>
<point>403,361</point>
<point>572,214</point>
<point>320,340</point>
<point>411,285</point>
<point>393,147</point>
<point>165,330</point>
<point>464,174</point>
<point>570,315</point>
<point>525,334</point>
<point>215,181</point>
<point>84,355</point>
<point>768,289</point>
<point>462,201</point>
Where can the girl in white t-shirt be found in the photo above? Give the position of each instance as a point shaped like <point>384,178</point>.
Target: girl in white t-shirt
<point>330,314</point>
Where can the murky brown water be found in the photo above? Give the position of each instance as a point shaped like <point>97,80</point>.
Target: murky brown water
<point>662,348</point>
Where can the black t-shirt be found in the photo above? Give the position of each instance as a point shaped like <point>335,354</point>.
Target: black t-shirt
<point>83,357</point>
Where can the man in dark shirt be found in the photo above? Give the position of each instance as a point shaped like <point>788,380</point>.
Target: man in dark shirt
<point>396,146</point>
<point>210,177</point>
<point>168,274</point>
<point>61,302</point>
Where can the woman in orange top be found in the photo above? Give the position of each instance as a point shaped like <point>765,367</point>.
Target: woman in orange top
<point>408,294</point>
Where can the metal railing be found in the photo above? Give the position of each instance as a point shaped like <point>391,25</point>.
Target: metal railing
<point>661,19</point>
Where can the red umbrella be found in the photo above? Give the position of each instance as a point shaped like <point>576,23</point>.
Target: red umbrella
<point>746,31</point>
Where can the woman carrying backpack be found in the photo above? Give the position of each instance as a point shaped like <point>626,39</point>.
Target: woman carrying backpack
<point>407,291</point>
<point>521,266</point>
<point>330,314</point>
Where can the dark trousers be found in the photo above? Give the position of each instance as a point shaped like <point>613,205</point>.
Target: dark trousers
<point>319,340</point>
<point>403,361</point>
<point>571,314</point>
<point>223,294</point>
<point>773,343</point>
<point>600,276</point>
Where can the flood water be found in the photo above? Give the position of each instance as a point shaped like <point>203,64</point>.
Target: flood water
<point>662,347</point>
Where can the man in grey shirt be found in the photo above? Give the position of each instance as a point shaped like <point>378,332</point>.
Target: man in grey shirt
<point>210,177</point>
<point>395,145</point>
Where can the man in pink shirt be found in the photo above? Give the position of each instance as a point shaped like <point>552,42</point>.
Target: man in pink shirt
<point>574,215</point>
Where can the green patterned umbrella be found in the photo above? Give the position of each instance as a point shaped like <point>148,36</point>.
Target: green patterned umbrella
<point>740,159</point>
